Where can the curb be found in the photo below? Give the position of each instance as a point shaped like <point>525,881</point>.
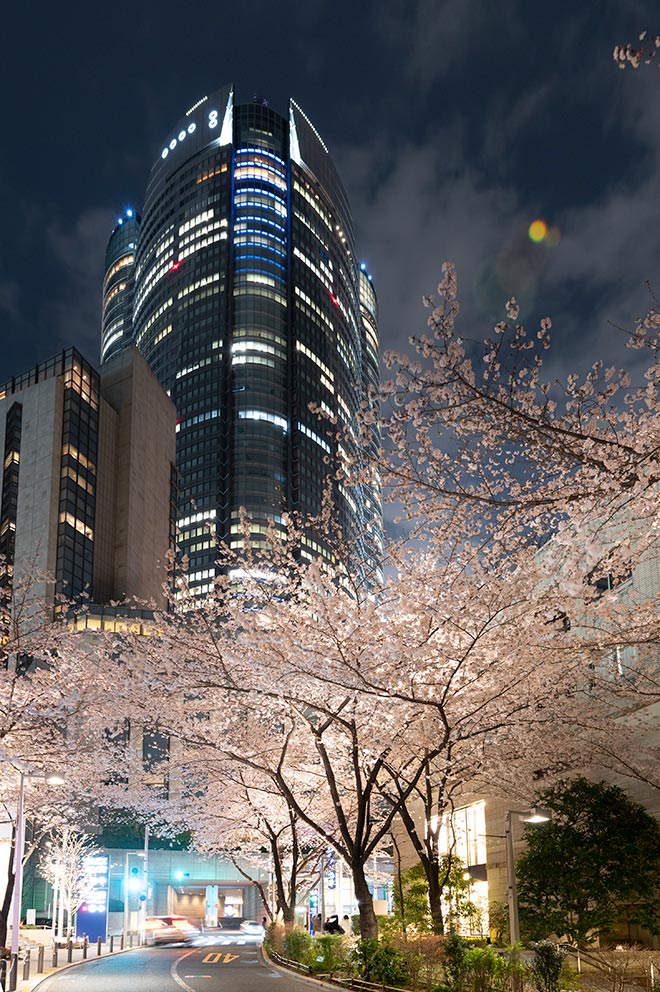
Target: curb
<point>32,984</point>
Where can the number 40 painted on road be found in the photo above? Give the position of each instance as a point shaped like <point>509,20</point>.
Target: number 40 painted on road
<point>213,957</point>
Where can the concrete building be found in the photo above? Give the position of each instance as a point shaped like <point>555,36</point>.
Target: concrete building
<point>87,489</point>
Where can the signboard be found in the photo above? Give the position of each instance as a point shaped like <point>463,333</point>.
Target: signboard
<point>92,916</point>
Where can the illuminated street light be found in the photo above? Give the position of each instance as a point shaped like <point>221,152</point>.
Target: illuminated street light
<point>52,778</point>
<point>537,814</point>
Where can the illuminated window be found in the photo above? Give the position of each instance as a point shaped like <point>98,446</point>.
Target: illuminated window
<point>271,418</point>
<point>119,288</point>
<point>68,449</point>
<point>126,260</point>
<point>310,354</point>
<point>209,175</point>
<point>79,525</point>
<point>314,437</point>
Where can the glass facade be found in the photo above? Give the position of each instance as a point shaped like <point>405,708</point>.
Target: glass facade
<point>248,304</point>
<point>78,454</point>
<point>116,321</point>
<point>77,505</point>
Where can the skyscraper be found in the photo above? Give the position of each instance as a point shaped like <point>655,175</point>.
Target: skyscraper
<point>240,287</point>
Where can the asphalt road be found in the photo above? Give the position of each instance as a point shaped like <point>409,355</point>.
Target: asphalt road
<point>223,963</point>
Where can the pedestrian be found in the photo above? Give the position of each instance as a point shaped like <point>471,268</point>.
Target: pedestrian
<point>264,923</point>
<point>332,925</point>
<point>347,924</point>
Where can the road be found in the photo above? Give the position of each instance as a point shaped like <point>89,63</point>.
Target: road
<point>222,963</point>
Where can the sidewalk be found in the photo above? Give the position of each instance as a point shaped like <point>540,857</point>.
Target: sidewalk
<point>34,941</point>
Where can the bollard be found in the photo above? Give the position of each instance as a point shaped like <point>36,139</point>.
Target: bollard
<point>98,947</point>
<point>13,973</point>
<point>69,951</point>
<point>130,940</point>
<point>121,942</point>
<point>112,943</point>
<point>84,953</point>
<point>55,955</point>
<point>40,958</point>
<point>26,966</point>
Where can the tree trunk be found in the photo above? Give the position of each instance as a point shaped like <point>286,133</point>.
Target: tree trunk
<point>6,901</point>
<point>435,899</point>
<point>368,921</point>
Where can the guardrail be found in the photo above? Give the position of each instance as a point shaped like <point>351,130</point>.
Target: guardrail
<point>343,982</point>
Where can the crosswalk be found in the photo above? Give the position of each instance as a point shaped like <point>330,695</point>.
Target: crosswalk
<point>215,939</point>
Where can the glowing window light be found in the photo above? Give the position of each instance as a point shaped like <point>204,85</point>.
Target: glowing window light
<point>260,192</point>
<point>251,345</point>
<point>313,436</point>
<point>110,341</point>
<point>119,288</point>
<point>265,416</point>
<point>249,150</point>
<point>79,525</point>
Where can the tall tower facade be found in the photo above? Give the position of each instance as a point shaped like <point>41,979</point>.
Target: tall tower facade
<point>248,304</point>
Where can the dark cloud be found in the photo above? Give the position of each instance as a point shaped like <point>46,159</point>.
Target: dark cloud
<point>454,125</point>
<point>9,297</point>
<point>78,251</point>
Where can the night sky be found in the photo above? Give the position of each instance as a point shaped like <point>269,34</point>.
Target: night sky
<point>454,125</point>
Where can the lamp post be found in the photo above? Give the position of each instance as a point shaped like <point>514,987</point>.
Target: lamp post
<point>51,779</point>
<point>145,894</point>
<point>537,814</point>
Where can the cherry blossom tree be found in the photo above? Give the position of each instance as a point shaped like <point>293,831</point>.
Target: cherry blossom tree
<point>642,52</point>
<point>460,671</point>
<point>243,818</point>
<point>55,702</point>
<point>61,864</point>
<point>508,644</point>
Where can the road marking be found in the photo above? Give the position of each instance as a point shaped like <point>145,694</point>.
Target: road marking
<point>219,957</point>
<point>177,978</point>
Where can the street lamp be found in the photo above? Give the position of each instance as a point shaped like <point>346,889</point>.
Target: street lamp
<point>537,814</point>
<point>51,779</point>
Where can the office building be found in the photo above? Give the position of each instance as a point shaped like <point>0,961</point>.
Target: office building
<point>88,469</point>
<point>244,294</point>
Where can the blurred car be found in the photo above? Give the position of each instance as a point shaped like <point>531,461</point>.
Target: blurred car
<point>252,927</point>
<point>169,930</point>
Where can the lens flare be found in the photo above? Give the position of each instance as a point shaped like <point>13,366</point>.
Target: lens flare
<point>553,237</point>
<point>537,231</point>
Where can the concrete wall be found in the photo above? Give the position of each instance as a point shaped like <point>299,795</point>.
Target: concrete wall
<point>145,452</point>
<point>38,481</point>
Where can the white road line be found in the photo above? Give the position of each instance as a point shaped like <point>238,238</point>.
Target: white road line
<point>177,979</point>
